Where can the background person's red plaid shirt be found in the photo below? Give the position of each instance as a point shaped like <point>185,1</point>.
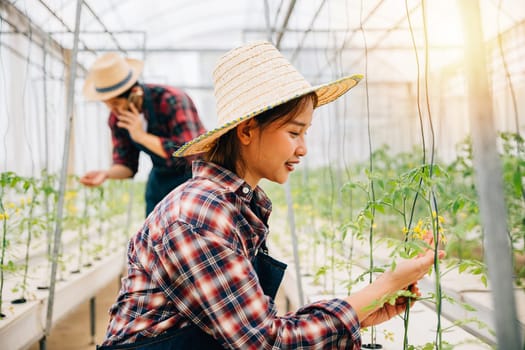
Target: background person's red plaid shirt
<point>175,121</point>
<point>190,262</point>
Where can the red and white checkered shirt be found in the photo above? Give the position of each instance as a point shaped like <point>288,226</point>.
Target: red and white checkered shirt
<point>191,263</point>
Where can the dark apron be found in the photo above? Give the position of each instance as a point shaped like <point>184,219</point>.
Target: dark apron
<point>270,273</point>
<point>160,183</point>
<point>161,180</point>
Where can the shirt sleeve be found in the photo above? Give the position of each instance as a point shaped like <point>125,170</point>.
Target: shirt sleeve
<point>124,152</point>
<point>217,289</point>
<point>184,124</point>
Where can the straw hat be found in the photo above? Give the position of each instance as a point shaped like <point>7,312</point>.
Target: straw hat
<point>251,79</point>
<point>111,75</point>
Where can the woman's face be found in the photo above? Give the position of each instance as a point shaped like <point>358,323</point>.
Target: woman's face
<point>274,152</point>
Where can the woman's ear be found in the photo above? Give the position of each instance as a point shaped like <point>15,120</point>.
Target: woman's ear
<point>246,131</point>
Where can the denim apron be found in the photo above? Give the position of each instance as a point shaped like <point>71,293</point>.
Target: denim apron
<point>161,179</point>
<point>270,273</point>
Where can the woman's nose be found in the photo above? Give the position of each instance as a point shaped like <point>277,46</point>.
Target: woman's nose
<point>301,148</point>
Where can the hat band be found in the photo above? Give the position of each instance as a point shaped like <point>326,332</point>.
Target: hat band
<point>115,86</point>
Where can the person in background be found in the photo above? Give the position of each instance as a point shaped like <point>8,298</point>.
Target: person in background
<point>152,118</point>
<point>199,274</point>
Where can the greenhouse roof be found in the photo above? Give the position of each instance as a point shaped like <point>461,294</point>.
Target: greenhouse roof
<point>322,37</point>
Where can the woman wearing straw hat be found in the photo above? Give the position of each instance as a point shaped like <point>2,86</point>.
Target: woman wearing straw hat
<point>143,117</point>
<point>199,276</point>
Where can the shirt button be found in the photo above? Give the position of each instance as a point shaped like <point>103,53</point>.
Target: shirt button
<point>245,190</point>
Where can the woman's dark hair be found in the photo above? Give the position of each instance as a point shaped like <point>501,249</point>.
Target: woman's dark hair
<point>126,93</point>
<point>226,151</point>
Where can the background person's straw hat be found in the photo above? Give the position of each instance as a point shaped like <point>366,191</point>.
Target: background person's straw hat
<point>251,79</point>
<point>111,75</point>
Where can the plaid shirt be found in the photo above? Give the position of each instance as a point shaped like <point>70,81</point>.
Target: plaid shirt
<point>191,263</point>
<point>175,120</point>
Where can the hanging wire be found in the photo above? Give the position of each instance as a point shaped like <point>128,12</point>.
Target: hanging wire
<point>34,191</point>
<point>435,217</point>
<point>277,13</point>
<point>267,21</point>
<point>386,34</point>
<point>282,31</point>
<point>408,225</point>
<point>435,212</point>
<point>420,116</point>
<point>64,24</point>
<point>105,28</point>
<point>349,38</point>
<point>313,228</point>
<point>24,89</point>
<point>372,195</point>
<point>335,183</point>
<point>288,192</point>
<point>346,166</point>
<point>326,180</point>
<point>5,89</point>
<point>57,50</point>
<point>307,31</point>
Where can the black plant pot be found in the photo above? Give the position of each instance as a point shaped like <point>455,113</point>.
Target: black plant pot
<point>19,301</point>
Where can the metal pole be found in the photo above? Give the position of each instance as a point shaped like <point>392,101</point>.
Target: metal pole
<point>49,231</point>
<point>92,318</point>
<point>489,181</point>
<point>63,174</point>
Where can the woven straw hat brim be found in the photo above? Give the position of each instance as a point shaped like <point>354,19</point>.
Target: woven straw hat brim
<point>326,93</point>
<point>91,94</point>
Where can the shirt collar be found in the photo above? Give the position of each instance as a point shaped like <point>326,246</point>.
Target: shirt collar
<point>228,179</point>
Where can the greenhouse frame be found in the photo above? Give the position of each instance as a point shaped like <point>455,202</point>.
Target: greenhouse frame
<point>430,140</point>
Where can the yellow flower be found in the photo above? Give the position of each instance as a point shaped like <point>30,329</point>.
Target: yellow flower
<point>388,335</point>
<point>11,205</point>
<point>70,195</point>
<point>405,230</point>
<point>441,219</point>
<point>417,229</point>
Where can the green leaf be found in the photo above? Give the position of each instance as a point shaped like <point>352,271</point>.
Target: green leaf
<point>484,280</point>
<point>462,267</point>
<point>516,182</point>
<point>468,307</point>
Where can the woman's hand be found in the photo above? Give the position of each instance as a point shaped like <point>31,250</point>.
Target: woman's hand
<point>388,310</point>
<point>405,275</point>
<point>408,272</point>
